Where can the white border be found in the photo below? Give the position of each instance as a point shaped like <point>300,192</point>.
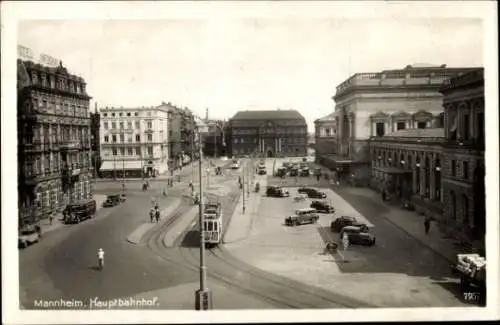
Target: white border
<point>14,11</point>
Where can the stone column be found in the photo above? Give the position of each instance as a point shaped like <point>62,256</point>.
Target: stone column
<point>414,176</point>
<point>432,185</point>
<point>422,175</point>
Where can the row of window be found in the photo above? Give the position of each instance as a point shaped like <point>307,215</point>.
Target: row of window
<point>464,166</point>
<point>250,150</point>
<point>149,125</point>
<point>381,131</point>
<point>128,151</point>
<point>51,198</point>
<point>284,141</point>
<point>52,133</point>
<point>53,162</point>
<point>128,114</point>
<point>62,108</point>
<point>290,130</point>
<point>49,80</point>
<point>460,125</point>
<point>149,138</point>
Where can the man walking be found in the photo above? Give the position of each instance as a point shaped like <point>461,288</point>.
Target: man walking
<point>427,225</point>
<point>157,212</point>
<point>151,214</point>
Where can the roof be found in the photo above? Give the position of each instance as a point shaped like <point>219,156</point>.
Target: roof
<point>268,115</point>
<point>328,118</point>
<point>419,133</point>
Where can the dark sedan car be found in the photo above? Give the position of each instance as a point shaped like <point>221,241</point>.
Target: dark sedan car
<point>294,172</point>
<point>315,194</point>
<point>322,206</point>
<point>276,191</point>
<point>345,221</point>
<point>358,235</point>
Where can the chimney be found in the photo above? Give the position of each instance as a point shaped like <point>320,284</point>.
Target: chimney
<point>206,114</point>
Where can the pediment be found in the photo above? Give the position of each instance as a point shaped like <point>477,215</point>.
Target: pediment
<point>422,115</point>
<point>401,115</point>
<point>379,116</point>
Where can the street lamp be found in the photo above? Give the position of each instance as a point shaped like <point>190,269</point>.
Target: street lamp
<point>203,296</point>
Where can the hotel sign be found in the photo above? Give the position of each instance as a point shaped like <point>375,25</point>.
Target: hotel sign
<point>25,53</point>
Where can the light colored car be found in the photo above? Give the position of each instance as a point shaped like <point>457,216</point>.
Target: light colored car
<point>302,216</point>
<point>235,164</point>
<point>28,237</point>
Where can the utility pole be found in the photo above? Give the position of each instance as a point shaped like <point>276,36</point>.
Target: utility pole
<point>203,297</point>
<point>243,185</point>
<point>123,175</point>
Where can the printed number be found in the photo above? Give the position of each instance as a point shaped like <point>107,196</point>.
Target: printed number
<point>471,296</point>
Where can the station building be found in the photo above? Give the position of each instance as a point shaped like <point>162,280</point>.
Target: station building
<point>325,132</point>
<point>53,136</point>
<point>278,133</point>
<point>378,104</point>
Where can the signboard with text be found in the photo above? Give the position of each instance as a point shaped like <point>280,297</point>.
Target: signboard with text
<point>26,53</point>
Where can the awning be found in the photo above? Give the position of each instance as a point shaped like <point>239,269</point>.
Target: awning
<point>393,170</point>
<point>122,165</point>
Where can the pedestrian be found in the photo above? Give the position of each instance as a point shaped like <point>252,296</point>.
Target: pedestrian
<point>317,177</point>
<point>157,213</point>
<point>151,215</point>
<point>427,225</point>
<point>51,217</point>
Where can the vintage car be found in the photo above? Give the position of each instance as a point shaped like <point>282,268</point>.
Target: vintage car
<point>358,235</point>
<point>345,221</point>
<point>302,216</point>
<point>79,211</point>
<point>317,172</point>
<point>28,235</point>
<point>112,200</point>
<point>294,171</point>
<point>261,170</point>
<point>304,172</point>
<point>322,206</point>
<point>312,193</point>
<point>276,191</point>
<point>286,164</point>
<point>235,164</point>
<point>281,172</point>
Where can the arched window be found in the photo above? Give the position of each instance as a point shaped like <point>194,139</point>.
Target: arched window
<point>453,206</point>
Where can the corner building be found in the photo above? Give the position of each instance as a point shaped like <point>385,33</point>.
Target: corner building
<point>463,153</point>
<point>378,104</point>
<point>279,133</point>
<point>54,149</point>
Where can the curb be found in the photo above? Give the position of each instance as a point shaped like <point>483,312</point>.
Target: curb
<point>192,213</point>
<point>136,236</point>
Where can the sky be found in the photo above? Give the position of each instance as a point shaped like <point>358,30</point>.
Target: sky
<point>227,65</point>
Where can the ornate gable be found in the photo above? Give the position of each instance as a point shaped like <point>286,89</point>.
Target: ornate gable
<point>401,115</point>
<point>422,115</point>
<point>379,116</point>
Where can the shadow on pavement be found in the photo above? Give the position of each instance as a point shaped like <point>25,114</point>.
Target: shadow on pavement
<point>191,239</point>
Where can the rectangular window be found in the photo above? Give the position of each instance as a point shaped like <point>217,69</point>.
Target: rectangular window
<point>137,125</point>
<point>114,137</point>
<point>129,124</point>
<point>122,151</point>
<point>150,150</point>
<point>114,151</point>
<point>380,129</point>
<point>150,125</point>
<point>106,138</point>
<point>105,125</point>
<point>421,125</point>
<point>466,170</point>
<point>401,126</point>
<point>138,151</point>
<point>466,127</point>
<point>453,168</point>
<point>130,151</point>
<point>129,138</point>
<point>121,125</point>
<point>150,137</point>
<point>122,138</point>
<point>137,138</point>
<point>113,125</point>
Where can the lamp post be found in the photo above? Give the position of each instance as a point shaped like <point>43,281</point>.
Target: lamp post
<point>203,296</point>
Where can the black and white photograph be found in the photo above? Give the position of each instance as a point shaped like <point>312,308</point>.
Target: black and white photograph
<point>248,161</point>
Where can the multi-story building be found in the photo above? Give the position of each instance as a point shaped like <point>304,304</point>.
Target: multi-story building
<point>279,133</point>
<point>53,140</point>
<point>214,142</point>
<point>134,141</point>
<point>378,104</point>
<point>325,138</point>
<point>463,157</point>
<point>406,166</point>
<point>180,143</point>
<point>95,126</point>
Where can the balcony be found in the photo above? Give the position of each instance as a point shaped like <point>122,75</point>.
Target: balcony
<point>469,144</point>
<point>70,145</point>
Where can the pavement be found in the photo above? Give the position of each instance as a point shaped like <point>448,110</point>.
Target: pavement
<point>180,226</point>
<point>136,235</point>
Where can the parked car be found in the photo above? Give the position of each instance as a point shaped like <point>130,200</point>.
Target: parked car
<point>27,236</point>
<point>358,235</point>
<point>235,164</point>
<point>302,216</point>
<point>345,221</point>
<point>286,164</point>
<point>322,206</point>
<point>262,170</point>
<point>281,172</point>
<point>317,172</point>
<point>294,171</point>
<point>312,193</point>
<point>276,191</point>
<point>79,211</point>
<point>112,200</point>
<point>304,172</point>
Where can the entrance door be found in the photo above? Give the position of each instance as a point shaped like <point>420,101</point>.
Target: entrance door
<point>269,153</point>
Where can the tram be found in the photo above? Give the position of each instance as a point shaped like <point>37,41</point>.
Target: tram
<point>212,224</point>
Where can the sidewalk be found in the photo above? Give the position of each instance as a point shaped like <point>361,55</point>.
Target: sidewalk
<point>57,222</point>
<point>413,224</point>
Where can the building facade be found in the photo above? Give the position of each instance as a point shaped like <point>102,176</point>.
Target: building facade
<point>54,149</point>
<point>279,133</point>
<point>406,166</point>
<point>378,104</point>
<point>95,126</point>
<point>214,144</point>
<point>463,156</point>
<point>181,128</point>
<point>134,141</point>
<point>325,138</point>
